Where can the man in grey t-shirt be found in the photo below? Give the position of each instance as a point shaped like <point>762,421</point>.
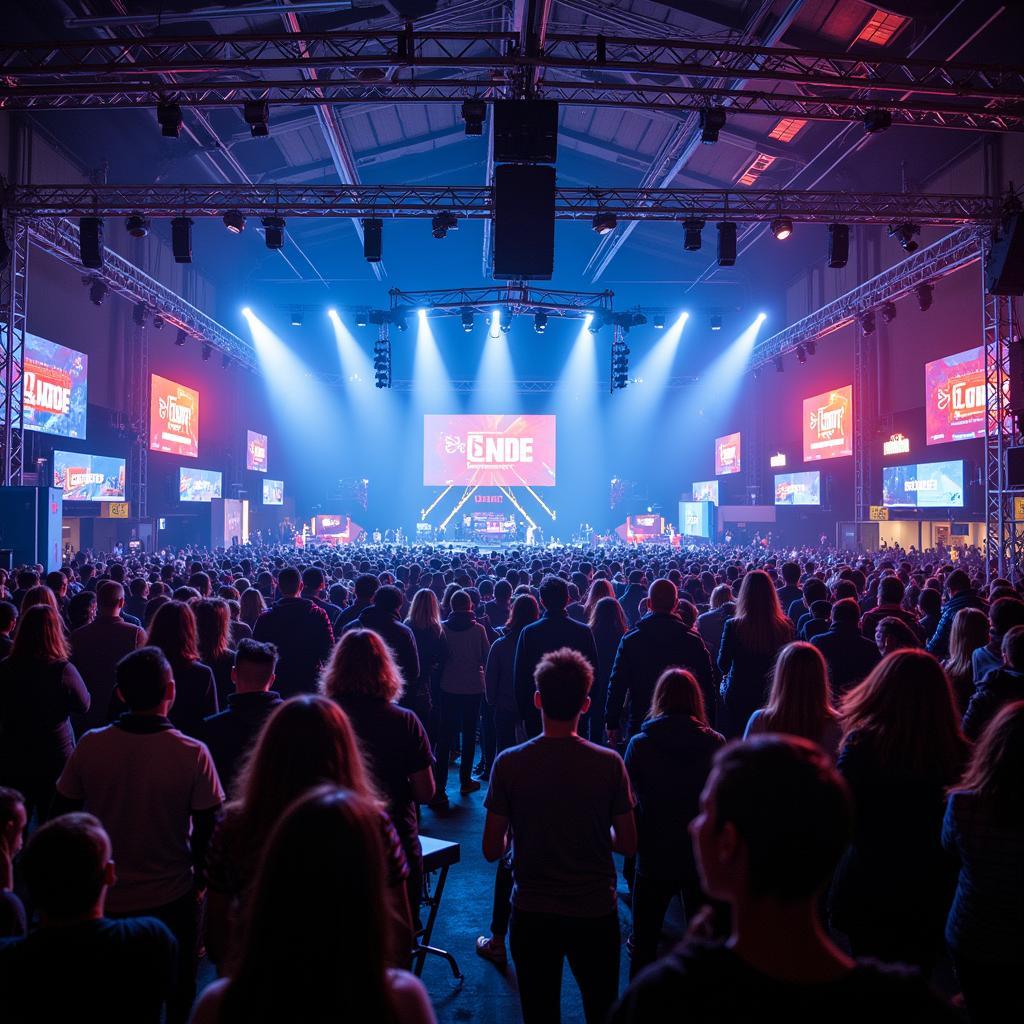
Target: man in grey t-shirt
<point>568,806</point>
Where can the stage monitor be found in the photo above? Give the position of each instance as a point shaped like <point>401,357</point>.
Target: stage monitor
<point>954,397</point>
<point>56,394</point>
<point>256,451</point>
<point>727,454</point>
<point>798,488</point>
<point>89,477</point>
<point>705,490</point>
<point>173,418</point>
<point>489,451</point>
<point>828,425</point>
<point>198,484</point>
<point>273,492</point>
<point>696,519</point>
<point>924,485</point>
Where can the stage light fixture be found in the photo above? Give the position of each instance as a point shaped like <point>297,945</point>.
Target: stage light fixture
<point>168,116</point>
<point>181,239</point>
<point>712,121</point>
<point>867,322</point>
<point>225,361</point>
<point>139,314</point>
<point>234,221</point>
<point>382,363</point>
<point>877,121</point>
<point>206,352</point>
<point>811,347</point>
<point>904,234</point>
<point>362,318</point>
<point>158,322</point>
<point>273,231</point>
<point>779,366</point>
<point>888,312</point>
<point>604,221</point>
<point>467,320</point>
<point>474,113</point>
<point>716,322</point>
<point>540,322</point>
<point>658,321</point>
<point>505,320</point>
<point>801,355</point>
<point>137,226</point>
<point>782,228</point>
<point>620,365</point>
<point>594,322</point>
<point>97,291</point>
<point>727,243</point>
<point>180,338</point>
<point>257,117</point>
<point>442,223</point>
<point>401,322</point>
<point>924,294</point>
<point>692,228</point>
<point>838,245</point>
<point>296,318</point>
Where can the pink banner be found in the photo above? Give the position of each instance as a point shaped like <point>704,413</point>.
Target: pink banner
<point>727,454</point>
<point>954,397</point>
<point>489,451</point>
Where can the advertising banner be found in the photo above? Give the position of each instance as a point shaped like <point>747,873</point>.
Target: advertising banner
<point>924,485</point>
<point>198,484</point>
<point>56,392</point>
<point>173,418</point>
<point>828,425</point>
<point>256,451</point>
<point>954,397</point>
<point>798,488</point>
<point>705,490</point>
<point>727,454</point>
<point>273,492</point>
<point>489,451</point>
<point>88,477</point>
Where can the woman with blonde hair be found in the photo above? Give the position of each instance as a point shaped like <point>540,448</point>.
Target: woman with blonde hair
<point>798,704</point>
<point>751,640</point>
<point>970,631</point>
<point>424,619</point>
<point>41,594</point>
<point>252,606</point>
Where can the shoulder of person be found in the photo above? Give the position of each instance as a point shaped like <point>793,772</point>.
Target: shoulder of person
<point>902,989</point>
<point>207,1008</point>
<point>411,1000</point>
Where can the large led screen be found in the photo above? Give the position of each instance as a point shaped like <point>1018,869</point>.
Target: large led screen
<point>705,490</point>
<point>88,477</point>
<point>198,484</point>
<point>828,425</point>
<point>924,485</point>
<point>727,454</point>
<point>256,451</point>
<point>695,518</point>
<point>173,418</point>
<point>954,397</point>
<point>489,451</point>
<point>56,392</point>
<point>273,492</point>
<point>798,488</point>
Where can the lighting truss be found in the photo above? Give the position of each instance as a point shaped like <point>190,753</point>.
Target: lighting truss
<point>519,298</point>
<point>522,387</point>
<point>477,202</point>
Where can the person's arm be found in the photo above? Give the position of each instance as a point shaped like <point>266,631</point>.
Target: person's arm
<point>78,694</point>
<point>618,684</point>
<point>202,829</point>
<point>977,714</point>
<point>523,674</point>
<point>492,673</point>
<point>495,841</point>
<point>725,651</point>
<point>624,834</point>
<point>423,786</point>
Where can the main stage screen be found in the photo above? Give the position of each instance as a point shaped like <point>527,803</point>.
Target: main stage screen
<point>695,518</point>
<point>924,485</point>
<point>489,451</point>
<point>828,424</point>
<point>173,418</point>
<point>256,451</point>
<point>705,490</point>
<point>198,484</point>
<point>88,477</point>
<point>954,397</point>
<point>273,492</point>
<point>798,488</point>
<point>56,388</point>
<point>727,454</point>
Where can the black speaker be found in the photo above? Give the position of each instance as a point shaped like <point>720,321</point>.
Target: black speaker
<point>1004,268</point>
<point>838,245</point>
<point>373,240</point>
<point>90,242</point>
<point>1015,467</point>
<point>727,243</point>
<point>525,131</point>
<point>524,222</point>
<point>181,239</point>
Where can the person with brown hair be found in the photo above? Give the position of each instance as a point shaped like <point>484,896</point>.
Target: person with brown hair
<point>970,633</point>
<point>424,619</point>
<point>213,641</point>
<point>902,748</point>
<point>13,819</point>
<point>607,622</point>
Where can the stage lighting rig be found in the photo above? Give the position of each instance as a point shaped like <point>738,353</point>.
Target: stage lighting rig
<point>540,322</point>
<point>782,228</point>
<point>206,351</point>
<point>801,355</point>
<point>888,312</point>
<point>716,321</point>
<point>467,320</point>
<point>442,223</point>
<point>139,314</point>
<point>620,365</point>
<point>867,322</point>
<point>168,116</point>
<point>234,222</point>
<point>594,322</point>
<point>362,318</point>
<point>297,317</point>
<point>273,232</point>
<point>505,319</point>
<point>257,117</point>
<point>877,121</point>
<point>727,243</point>
<point>838,245</point>
<point>924,294</point>
<point>904,234</point>
<point>811,347</point>
<point>137,226</point>
<point>658,321</point>
<point>382,363</point>
<point>712,121</point>
<point>692,228</point>
<point>180,338</point>
<point>604,222</point>
<point>474,113</point>
<point>97,291</point>
<point>158,322</point>
<point>779,365</point>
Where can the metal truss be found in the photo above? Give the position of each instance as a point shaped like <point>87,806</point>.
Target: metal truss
<point>522,387</point>
<point>952,252</point>
<point>865,415</point>
<point>518,298</point>
<point>138,416</point>
<point>390,66</point>
<point>477,201</point>
<point>13,315</point>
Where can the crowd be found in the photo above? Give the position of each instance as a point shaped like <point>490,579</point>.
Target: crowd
<point>227,754</point>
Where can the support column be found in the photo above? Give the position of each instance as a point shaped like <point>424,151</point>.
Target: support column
<point>865,414</point>
<point>138,418</point>
<point>13,313</point>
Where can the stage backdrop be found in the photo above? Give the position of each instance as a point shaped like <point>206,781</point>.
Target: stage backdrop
<point>828,424</point>
<point>489,451</point>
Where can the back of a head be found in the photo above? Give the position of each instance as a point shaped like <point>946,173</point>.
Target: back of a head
<point>790,573</point>
<point>39,635</point>
<point>524,610</point>
<point>662,596</point>
<point>142,678</point>
<point>255,663</point>
<point>958,581</point>
<point>365,586</point>
<point>846,612</point>
<point>677,692</point>
<point>554,593</point>
<point>929,601</point>
<point>799,700</point>
<point>1013,648</point>
<point>313,579</point>
<point>896,632</point>
<point>138,586</point>
<point>890,590</point>
<point>822,609</point>
<point>1004,614</point>
<point>563,679</point>
<point>64,864</point>
<point>996,771</point>
<point>173,630</point>
<point>289,582</point>
<point>8,616</point>
<point>388,599</point>
<point>844,589</point>
<point>362,665</point>
<point>815,590</point>
<point>722,594</point>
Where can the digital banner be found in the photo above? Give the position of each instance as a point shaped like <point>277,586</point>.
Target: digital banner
<point>489,451</point>
<point>56,392</point>
<point>828,425</point>
<point>727,454</point>
<point>88,477</point>
<point>273,492</point>
<point>954,397</point>
<point>695,518</point>
<point>798,488</point>
<point>173,418</point>
<point>924,485</point>
<point>256,451</point>
<point>198,484</point>
<point>705,490</point>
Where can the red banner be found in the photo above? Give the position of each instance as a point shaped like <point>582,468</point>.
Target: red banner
<point>173,418</point>
<point>828,425</point>
<point>255,451</point>
<point>954,397</point>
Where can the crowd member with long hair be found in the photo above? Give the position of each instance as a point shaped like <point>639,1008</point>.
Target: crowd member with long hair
<point>607,622</point>
<point>424,619</point>
<point>798,704</point>
<point>751,640</point>
<point>39,691</point>
<point>252,605</point>
<point>599,589</point>
<point>969,633</point>
<point>902,748</point>
<point>984,830</point>
<point>316,938</point>
<point>308,740</point>
<point>499,675</point>
<point>213,640</point>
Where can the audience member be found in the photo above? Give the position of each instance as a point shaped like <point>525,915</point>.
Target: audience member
<point>608,625</point>
<point>383,618</point>
<point>213,643</point>
<point>364,589</point>
<point>710,624</point>
<point>499,673</point>
<point>890,605</point>
<point>961,595</point>
<point>969,633</point>
<point>1003,615</point>
<point>252,606</point>
<point>424,619</point>
<point>848,653</point>
<point>894,634</point>
<point>8,620</point>
<point>1000,686</point>
<point>13,819</point>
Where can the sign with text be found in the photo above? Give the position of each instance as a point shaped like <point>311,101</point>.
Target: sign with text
<point>954,397</point>
<point>727,454</point>
<point>828,424</point>
<point>89,477</point>
<point>173,418</point>
<point>924,485</point>
<point>115,510</point>
<point>198,484</point>
<point>798,488</point>
<point>255,451</point>
<point>56,392</point>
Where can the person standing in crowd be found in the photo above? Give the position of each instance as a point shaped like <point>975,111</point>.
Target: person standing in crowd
<point>138,597</point>
<point>499,673</point>
<point>8,620</point>
<point>983,830</point>
<point>970,631</point>
<point>383,618</point>
<point>711,623</point>
<point>902,749</point>
<point>890,605</point>
<point>13,819</point>
<point>213,642</point>
<point>302,634</point>
<point>774,818</point>
<point>1003,615</point>
<point>849,654</point>
<point>39,692</point>
<point>364,588</point>
<point>668,761</point>
<point>751,640</point>
<point>790,590</point>
<point>634,592</point>
<point>314,587</point>
<point>1000,686</point>
<point>961,595</point>
<point>894,634</point>
<point>462,686</point>
<point>608,625</point>
<point>252,606</point>
<point>424,620</point>
<point>568,805</point>
<point>157,793</point>
<point>798,704</point>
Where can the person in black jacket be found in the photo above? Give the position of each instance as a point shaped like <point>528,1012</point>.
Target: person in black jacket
<point>849,654</point>
<point>791,590</point>
<point>1001,686</point>
<point>632,595</point>
<point>659,641</point>
<point>961,595</point>
<point>668,762</point>
<point>383,618</point>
